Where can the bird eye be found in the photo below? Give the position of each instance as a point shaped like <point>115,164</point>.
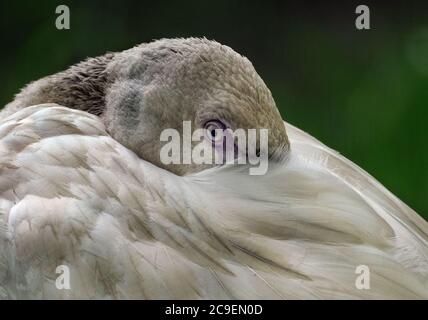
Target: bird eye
<point>213,128</point>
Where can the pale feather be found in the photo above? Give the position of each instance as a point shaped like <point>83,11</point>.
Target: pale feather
<point>71,195</point>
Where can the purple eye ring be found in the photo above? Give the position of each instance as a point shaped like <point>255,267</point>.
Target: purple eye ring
<point>212,130</point>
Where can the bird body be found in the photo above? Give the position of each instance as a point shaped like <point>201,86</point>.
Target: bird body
<point>73,194</point>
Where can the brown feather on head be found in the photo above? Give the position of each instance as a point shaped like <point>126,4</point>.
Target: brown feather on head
<point>158,85</point>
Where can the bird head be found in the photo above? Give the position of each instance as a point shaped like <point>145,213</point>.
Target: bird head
<point>170,83</point>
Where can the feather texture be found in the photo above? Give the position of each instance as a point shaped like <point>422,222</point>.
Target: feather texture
<point>71,195</point>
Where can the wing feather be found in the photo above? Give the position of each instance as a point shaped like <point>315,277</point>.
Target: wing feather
<point>71,195</point>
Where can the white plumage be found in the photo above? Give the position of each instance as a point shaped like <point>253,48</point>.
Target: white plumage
<point>71,195</point>
<point>82,186</point>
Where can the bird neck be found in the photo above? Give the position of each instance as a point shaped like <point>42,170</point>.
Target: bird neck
<point>81,87</point>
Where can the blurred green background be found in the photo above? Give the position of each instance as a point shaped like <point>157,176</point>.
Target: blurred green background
<point>363,93</point>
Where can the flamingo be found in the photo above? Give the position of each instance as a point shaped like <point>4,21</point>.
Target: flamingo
<point>82,187</point>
